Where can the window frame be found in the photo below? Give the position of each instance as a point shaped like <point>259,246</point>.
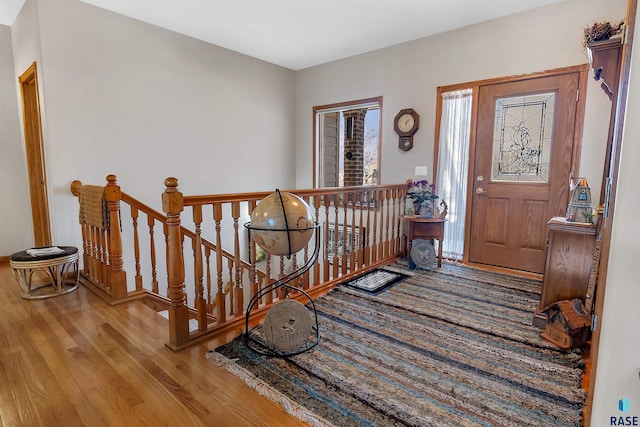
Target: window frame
<point>340,106</point>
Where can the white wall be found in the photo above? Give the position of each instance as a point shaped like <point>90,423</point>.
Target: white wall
<point>407,75</point>
<point>124,97</point>
<point>618,362</point>
<point>14,186</point>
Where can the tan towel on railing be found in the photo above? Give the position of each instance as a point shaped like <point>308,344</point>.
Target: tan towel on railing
<point>93,206</point>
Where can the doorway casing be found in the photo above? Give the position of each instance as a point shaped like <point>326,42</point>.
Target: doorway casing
<point>35,156</point>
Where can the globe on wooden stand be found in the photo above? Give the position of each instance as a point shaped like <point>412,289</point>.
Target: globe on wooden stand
<point>282,224</point>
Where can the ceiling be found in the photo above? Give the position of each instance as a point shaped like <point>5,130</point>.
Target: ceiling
<point>297,34</point>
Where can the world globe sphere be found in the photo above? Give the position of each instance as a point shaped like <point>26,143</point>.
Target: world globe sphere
<point>275,235</point>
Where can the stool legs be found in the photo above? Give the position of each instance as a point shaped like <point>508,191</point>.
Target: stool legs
<point>56,273</point>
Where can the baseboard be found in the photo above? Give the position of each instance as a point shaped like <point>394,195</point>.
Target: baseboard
<point>4,259</point>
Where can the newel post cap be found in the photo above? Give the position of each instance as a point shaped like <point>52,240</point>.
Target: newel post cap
<point>172,199</point>
<point>112,189</point>
<point>75,187</point>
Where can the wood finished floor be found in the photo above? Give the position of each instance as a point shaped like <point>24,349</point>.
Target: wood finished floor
<point>74,360</point>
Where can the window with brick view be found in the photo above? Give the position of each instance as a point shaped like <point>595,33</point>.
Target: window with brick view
<point>347,143</point>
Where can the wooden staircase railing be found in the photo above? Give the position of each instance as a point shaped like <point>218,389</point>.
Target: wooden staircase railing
<point>205,288</point>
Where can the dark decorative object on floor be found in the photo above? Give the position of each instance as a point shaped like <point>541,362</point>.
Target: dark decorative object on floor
<point>568,324</point>
<point>423,255</point>
<point>377,281</point>
<point>453,346</point>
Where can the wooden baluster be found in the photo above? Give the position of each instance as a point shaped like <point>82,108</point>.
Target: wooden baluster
<point>396,222</point>
<point>316,266</point>
<point>294,266</point>
<point>370,209</point>
<point>336,235</point>
<point>238,288</point>
<point>172,204</point>
<point>85,249</point>
<point>345,234</point>
<point>363,231</point>
<point>165,230</point>
<point>103,246</point>
<point>207,255</point>
<point>95,252</point>
<point>353,245</point>
<point>92,253</point>
<point>152,250</point>
<point>327,203</point>
<point>231,286</point>
<point>269,279</point>
<point>100,261</point>
<point>374,244</point>
<point>381,224</point>
<point>220,297</point>
<point>136,247</point>
<point>281,291</point>
<point>118,281</point>
<point>252,256</point>
<point>385,247</point>
<point>182,237</point>
<point>97,263</point>
<point>305,276</point>
<point>262,281</point>
<point>392,221</point>
<point>200,302</point>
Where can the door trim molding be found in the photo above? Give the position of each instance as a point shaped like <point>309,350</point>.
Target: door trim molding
<point>583,72</point>
<point>32,126</point>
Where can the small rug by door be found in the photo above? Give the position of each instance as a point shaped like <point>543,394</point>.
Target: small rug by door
<point>377,281</point>
<point>449,347</point>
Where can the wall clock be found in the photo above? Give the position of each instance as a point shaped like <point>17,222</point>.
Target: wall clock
<point>406,124</point>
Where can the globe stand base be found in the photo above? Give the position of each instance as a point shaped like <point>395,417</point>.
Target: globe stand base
<point>289,328</point>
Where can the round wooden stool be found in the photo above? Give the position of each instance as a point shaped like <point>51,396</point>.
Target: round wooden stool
<point>57,265</point>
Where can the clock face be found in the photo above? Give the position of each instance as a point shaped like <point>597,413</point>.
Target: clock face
<point>406,122</point>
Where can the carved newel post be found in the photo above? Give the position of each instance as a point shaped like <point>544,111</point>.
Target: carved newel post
<point>117,277</point>
<point>172,205</point>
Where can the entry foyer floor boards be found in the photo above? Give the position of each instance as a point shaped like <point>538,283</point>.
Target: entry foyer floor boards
<point>74,360</point>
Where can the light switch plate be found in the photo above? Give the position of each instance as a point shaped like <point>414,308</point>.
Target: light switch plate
<point>422,170</point>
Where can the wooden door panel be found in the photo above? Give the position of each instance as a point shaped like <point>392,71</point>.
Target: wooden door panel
<point>523,155</point>
<point>497,221</point>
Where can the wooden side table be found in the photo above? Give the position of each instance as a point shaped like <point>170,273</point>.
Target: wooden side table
<point>418,227</point>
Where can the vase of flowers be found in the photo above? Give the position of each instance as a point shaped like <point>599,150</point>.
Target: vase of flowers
<point>421,192</point>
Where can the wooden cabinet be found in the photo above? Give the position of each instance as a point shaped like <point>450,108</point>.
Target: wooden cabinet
<point>604,57</point>
<point>568,265</point>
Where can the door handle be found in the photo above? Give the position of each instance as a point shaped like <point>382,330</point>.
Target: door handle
<point>480,191</point>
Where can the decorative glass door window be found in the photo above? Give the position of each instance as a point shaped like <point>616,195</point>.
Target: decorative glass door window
<point>522,138</point>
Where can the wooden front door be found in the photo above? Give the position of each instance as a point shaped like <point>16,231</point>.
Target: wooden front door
<point>35,156</point>
<point>521,170</point>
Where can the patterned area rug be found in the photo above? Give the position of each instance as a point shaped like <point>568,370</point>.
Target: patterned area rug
<point>449,347</point>
<point>377,281</point>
